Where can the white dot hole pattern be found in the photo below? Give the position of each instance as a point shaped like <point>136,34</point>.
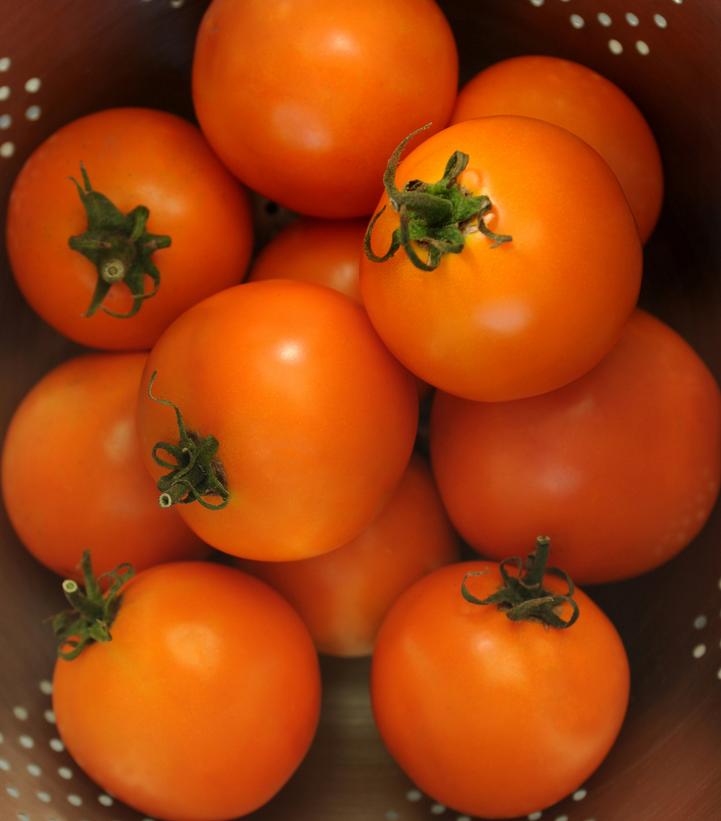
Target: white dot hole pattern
<point>660,21</point>
<point>26,741</point>
<point>437,809</point>
<point>4,92</point>
<point>537,3</point>
<point>7,149</point>
<point>43,796</point>
<point>5,121</point>
<point>65,772</point>
<point>392,815</point>
<point>32,86</point>
<point>604,19</point>
<point>615,47</point>
<point>631,18</point>
<point>700,622</point>
<point>577,21</point>
<point>4,765</point>
<point>177,4</point>
<point>414,795</point>
<point>5,63</point>
<point>105,800</point>
<point>46,687</point>
<point>20,713</point>
<point>562,818</point>
<point>22,816</point>
<point>699,651</point>
<point>49,716</point>
<point>57,745</point>
<point>534,816</point>
<point>33,113</point>
<point>579,795</point>
<point>13,792</point>
<point>34,770</point>
<point>75,800</point>
<point>643,48</point>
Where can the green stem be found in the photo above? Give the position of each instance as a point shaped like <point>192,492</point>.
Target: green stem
<point>437,216</point>
<point>522,595</point>
<point>119,246</point>
<point>195,470</point>
<point>92,611</point>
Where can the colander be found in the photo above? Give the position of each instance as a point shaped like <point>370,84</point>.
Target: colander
<point>60,59</point>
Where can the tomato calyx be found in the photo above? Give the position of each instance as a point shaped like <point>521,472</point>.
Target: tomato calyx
<point>437,216</point>
<point>522,597</point>
<point>92,611</point>
<point>119,246</point>
<point>196,472</point>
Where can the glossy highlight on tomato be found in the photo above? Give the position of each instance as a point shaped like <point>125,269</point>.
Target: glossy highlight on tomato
<point>185,714</point>
<point>498,322</point>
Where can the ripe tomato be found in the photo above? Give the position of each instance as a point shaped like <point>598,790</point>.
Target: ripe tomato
<point>315,420</point>
<point>326,252</point>
<point>72,472</point>
<point>343,595</point>
<point>586,104</point>
<point>305,100</point>
<point>621,468</point>
<point>494,717</point>
<point>135,157</point>
<point>495,322</point>
<point>185,714</point>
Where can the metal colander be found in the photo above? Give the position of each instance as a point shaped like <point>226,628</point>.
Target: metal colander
<point>60,59</point>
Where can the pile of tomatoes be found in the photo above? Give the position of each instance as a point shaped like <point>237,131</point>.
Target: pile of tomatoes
<point>479,252</point>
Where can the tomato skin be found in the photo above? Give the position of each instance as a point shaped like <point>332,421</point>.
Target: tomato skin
<point>492,717</point>
<point>185,714</point>
<point>493,324</point>
<point>322,251</point>
<point>343,595</point>
<point>73,477</point>
<point>309,109</point>
<point>621,468</point>
<point>588,105</point>
<point>315,419</point>
<point>134,156</point>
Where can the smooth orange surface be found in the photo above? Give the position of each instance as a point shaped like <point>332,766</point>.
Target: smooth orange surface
<point>185,714</point>
<point>305,101</point>
<point>621,468</point>
<point>135,157</point>
<point>343,595</point>
<point>73,477</point>
<point>491,717</point>
<point>315,419</point>
<point>574,97</point>
<point>501,323</point>
<point>326,252</point>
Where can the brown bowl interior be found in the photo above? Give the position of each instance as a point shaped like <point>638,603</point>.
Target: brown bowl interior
<point>666,765</point>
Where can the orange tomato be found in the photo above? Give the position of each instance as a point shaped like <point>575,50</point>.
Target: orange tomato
<point>322,251</point>
<point>72,472</point>
<point>185,713</point>
<point>621,467</point>
<point>343,595</point>
<point>134,157</point>
<point>315,420</point>
<point>574,97</point>
<point>493,717</point>
<point>497,322</point>
<point>309,108</point>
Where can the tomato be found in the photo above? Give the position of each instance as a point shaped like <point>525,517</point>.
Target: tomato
<point>315,420</point>
<point>621,468</point>
<point>343,595</point>
<point>493,717</point>
<point>134,157</point>
<point>326,252</point>
<point>588,105</point>
<point>305,100</point>
<point>72,472</point>
<point>185,713</point>
<point>532,306</point>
